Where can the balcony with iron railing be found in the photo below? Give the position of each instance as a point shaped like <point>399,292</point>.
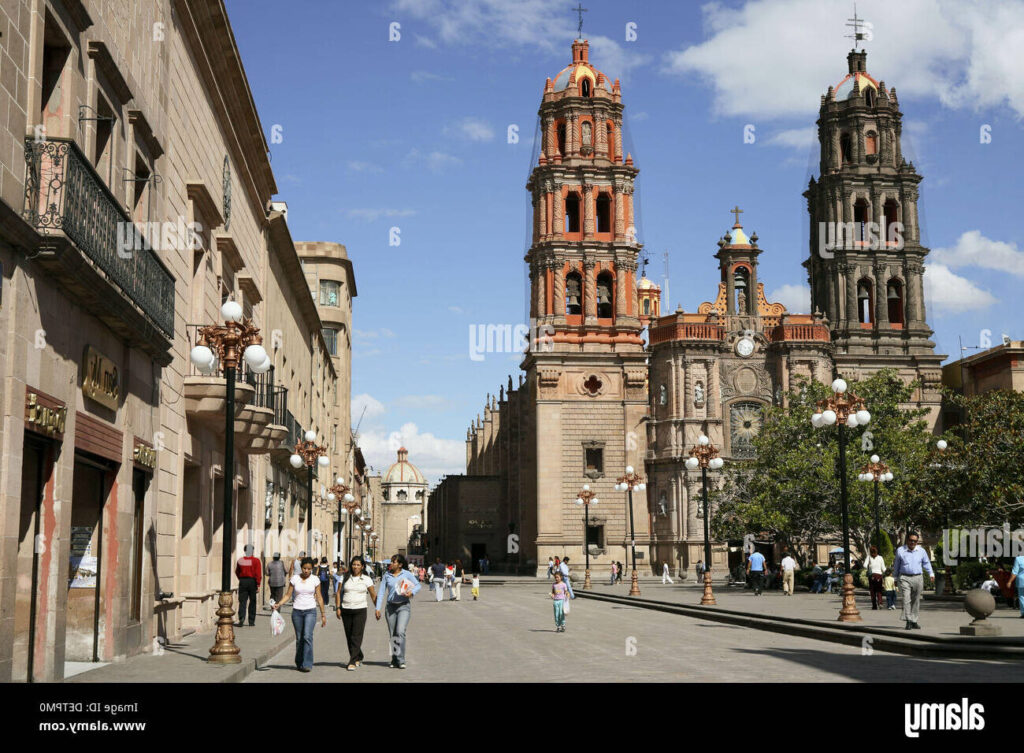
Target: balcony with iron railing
<point>79,221</point>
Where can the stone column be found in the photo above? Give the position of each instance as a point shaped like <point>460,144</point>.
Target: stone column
<point>588,211</point>
<point>542,215</point>
<point>881,302</point>
<point>542,289</point>
<point>533,291</point>
<point>878,216</point>
<point>620,289</point>
<point>837,155</point>
<point>571,146</point>
<point>630,217</point>
<point>852,314</point>
<point>551,143</point>
<point>913,293</point>
<point>620,222</point>
<point>589,287</point>
<point>558,230</point>
<point>618,142</point>
<point>559,292</point>
<point>601,137</point>
<point>536,200</point>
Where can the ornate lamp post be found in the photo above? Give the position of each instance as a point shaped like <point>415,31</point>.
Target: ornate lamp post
<point>308,452</point>
<point>221,347</point>
<point>341,493</point>
<point>876,471</point>
<point>704,455</point>
<point>628,483</point>
<point>586,498</point>
<point>846,410</point>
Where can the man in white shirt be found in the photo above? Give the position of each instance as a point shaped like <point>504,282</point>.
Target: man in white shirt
<point>665,577</point>
<point>788,574</point>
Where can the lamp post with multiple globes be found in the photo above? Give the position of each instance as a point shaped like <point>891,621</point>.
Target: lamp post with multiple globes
<point>309,453</point>
<point>586,498</point>
<point>222,346</point>
<point>878,472</point>
<point>341,493</point>
<point>844,409</point>
<point>628,483</point>
<point>704,455</point>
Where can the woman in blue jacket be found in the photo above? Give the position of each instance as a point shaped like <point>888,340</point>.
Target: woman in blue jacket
<point>398,586</point>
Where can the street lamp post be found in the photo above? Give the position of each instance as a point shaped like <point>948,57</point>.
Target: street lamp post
<point>878,472</point>
<point>704,455</point>
<point>586,498</point>
<point>221,347</point>
<point>308,452</point>
<point>628,483</point>
<point>846,410</point>
<point>341,493</point>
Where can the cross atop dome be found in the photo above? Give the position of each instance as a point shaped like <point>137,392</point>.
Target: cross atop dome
<point>856,24</point>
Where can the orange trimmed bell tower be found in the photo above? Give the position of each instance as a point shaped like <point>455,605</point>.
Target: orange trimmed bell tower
<point>587,370</point>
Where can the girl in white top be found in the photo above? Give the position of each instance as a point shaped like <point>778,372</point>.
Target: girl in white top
<point>350,607</point>
<point>306,590</point>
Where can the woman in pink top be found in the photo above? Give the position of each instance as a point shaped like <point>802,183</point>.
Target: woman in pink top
<point>559,593</point>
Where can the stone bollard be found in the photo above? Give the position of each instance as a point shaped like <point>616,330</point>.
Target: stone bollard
<point>979,604</point>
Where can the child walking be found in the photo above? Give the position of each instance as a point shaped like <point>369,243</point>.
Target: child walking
<point>559,593</point>
<point>889,586</point>
<point>476,586</point>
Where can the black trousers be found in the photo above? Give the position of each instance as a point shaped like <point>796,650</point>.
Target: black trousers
<point>276,592</point>
<point>354,621</point>
<point>247,595</point>
<point>757,580</point>
<point>875,584</point>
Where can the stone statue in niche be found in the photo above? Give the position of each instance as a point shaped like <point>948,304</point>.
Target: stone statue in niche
<point>698,394</point>
<point>588,135</point>
<point>662,506</point>
<point>663,395</point>
<point>741,302</point>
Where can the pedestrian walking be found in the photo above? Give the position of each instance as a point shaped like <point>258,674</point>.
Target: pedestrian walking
<point>487,565</point>
<point>551,568</point>
<point>397,587</point>
<point>423,574</point>
<point>437,578</point>
<point>788,573</point>
<point>560,594</point>
<point>889,586</point>
<point>618,573</point>
<point>324,575</point>
<point>350,607</point>
<point>277,577</point>
<point>458,573</point>
<point>699,571</point>
<point>614,571</point>
<point>306,589</point>
<point>476,586</point>
<point>296,567</point>
<point>449,578</point>
<point>907,569</point>
<point>665,577</point>
<point>755,571</point>
<point>1017,579</point>
<point>875,565</point>
<point>249,570</point>
<point>566,576</point>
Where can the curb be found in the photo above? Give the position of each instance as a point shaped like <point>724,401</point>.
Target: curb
<point>846,633</point>
<point>249,665</point>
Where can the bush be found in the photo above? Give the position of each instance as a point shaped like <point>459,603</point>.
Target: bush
<point>860,578</point>
<point>885,548</point>
<point>969,573</point>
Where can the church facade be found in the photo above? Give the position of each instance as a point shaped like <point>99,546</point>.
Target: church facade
<point>595,398</point>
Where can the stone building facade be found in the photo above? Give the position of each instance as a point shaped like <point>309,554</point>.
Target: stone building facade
<point>404,505</point>
<point>123,122</point>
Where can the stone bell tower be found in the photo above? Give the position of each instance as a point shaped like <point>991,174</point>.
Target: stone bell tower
<point>587,370</point>
<point>866,263</point>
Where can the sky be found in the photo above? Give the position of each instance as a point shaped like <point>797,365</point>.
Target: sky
<point>405,130</point>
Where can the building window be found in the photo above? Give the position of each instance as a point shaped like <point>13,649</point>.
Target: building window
<point>894,297</point>
<point>891,210</point>
<point>419,495</point>
<point>744,424</point>
<point>572,213</point>
<point>871,142</point>
<point>741,282</point>
<point>604,213</point>
<point>56,51</point>
<point>561,138</point>
<point>860,219</point>
<point>140,192</point>
<point>573,288</point>
<point>402,495</point>
<point>869,99</point>
<point>611,142</point>
<point>595,537</point>
<point>647,306</point>
<point>605,302</point>
<point>864,307</point>
<point>845,148</point>
<point>593,459</point>
<point>331,338</point>
<point>330,293</point>
<point>139,484</point>
<point>102,158</point>
<point>585,87</point>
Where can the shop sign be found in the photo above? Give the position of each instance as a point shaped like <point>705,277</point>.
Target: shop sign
<point>100,379</point>
<point>45,419</point>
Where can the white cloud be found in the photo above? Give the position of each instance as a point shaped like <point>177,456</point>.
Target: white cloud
<point>434,161</point>
<point>948,293</point>
<point>801,139</point>
<point>373,334</point>
<point>973,249</point>
<point>774,59</point>
<point>796,298</point>
<point>456,309</point>
<point>364,167</point>
<point>419,77</point>
<point>373,406</point>
<point>471,128</point>
<point>423,402</point>
<point>434,456</point>
<point>371,215</point>
<point>639,117</point>
<point>427,42</point>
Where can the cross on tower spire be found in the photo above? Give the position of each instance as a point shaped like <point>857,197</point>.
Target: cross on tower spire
<point>737,211</point>
<point>856,23</point>
<point>580,10</point>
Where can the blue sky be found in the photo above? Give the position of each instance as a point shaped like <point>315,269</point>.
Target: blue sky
<point>413,134</point>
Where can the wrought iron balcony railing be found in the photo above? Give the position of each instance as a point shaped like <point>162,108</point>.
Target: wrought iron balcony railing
<point>63,192</point>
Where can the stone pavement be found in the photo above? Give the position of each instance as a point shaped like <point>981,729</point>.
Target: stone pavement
<point>938,618</point>
<point>508,636</point>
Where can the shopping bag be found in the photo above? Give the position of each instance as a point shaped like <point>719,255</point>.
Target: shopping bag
<point>276,621</point>
<point>404,588</point>
<point>565,607</point>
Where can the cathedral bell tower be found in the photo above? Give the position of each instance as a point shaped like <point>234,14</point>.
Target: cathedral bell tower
<point>586,371</point>
<point>866,263</point>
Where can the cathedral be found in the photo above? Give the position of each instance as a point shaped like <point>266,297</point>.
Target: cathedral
<point>595,396</point>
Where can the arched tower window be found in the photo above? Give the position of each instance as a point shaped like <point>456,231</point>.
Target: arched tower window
<point>561,139</point>
<point>647,306</point>
<point>894,298</point>
<point>741,282</point>
<point>585,87</point>
<point>845,148</point>
<point>402,495</point>
<point>869,98</point>
<point>604,213</point>
<point>860,217</point>
<point>573,294</point>
<point>871,142</point>
<point>572,213</point>
<point>892,214</point>
<point>864,302</point>
<point>605,302</point>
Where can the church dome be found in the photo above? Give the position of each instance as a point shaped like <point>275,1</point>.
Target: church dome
<point>582,68</point>
<point>844,89</point>
<point>645,284</point>
<point>403,472</point>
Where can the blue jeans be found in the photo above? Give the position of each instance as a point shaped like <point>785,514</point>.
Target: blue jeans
<point>1020,593</point>
<point>559,612</point>
<point>890,599</point>
<point>398,616</point>
<point>303,621</point>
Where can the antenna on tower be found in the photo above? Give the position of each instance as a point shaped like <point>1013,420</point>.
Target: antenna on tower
<point>644,261</point>
<point>665,294</point>
<point>579,10</point>
<point>856,23</point>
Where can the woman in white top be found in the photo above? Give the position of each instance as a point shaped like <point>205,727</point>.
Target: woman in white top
<point>350,607</point>
<point>875,566</point>
<point>306,589</point>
